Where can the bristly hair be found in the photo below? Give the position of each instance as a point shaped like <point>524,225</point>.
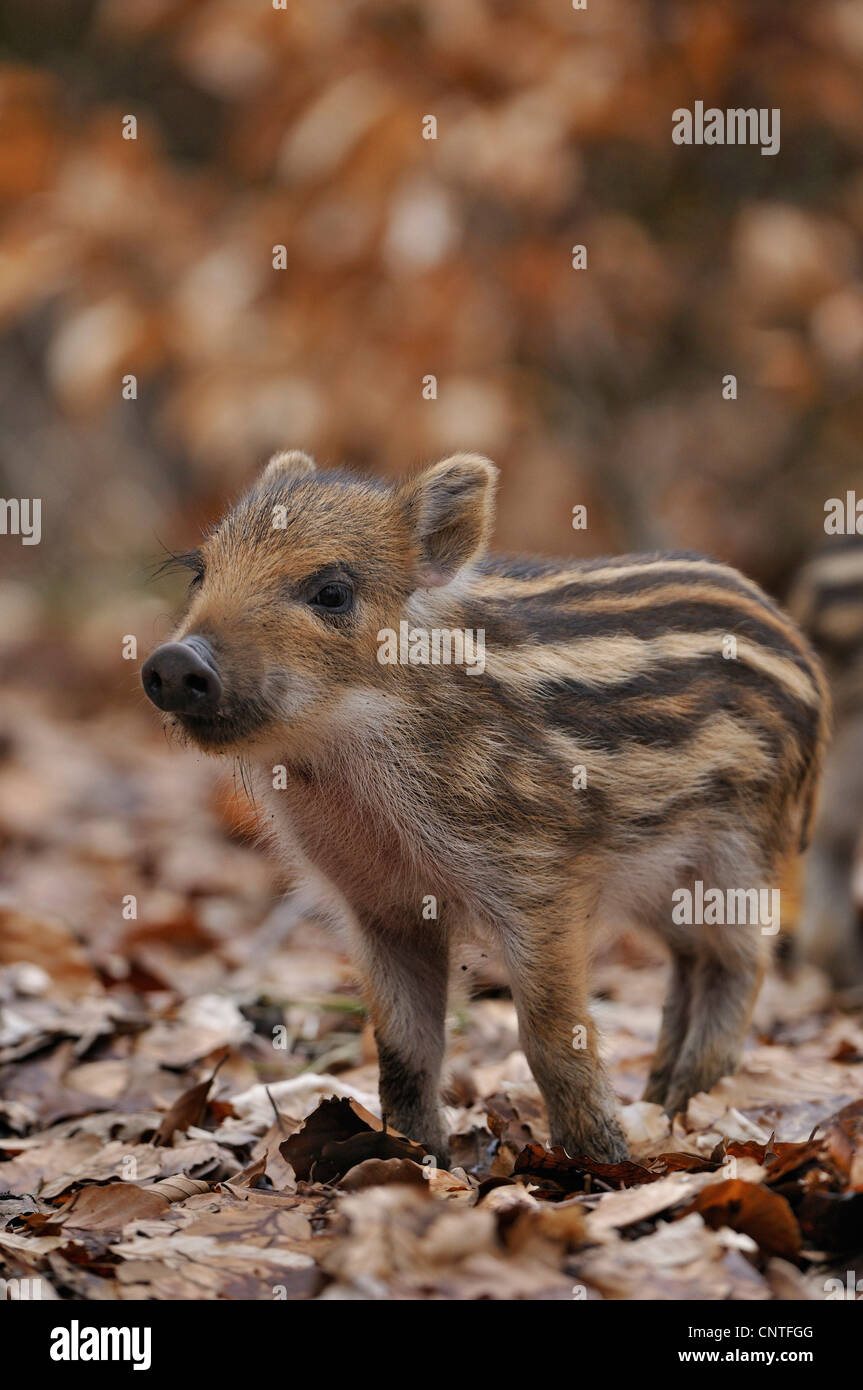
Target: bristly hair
<point>191,560</point>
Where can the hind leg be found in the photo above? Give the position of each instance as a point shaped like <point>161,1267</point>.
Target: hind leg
<point>716,970</point>
<point>830,932</point>
<point>830,935</point>
<point>672,1032</point>
<point>725,981</point>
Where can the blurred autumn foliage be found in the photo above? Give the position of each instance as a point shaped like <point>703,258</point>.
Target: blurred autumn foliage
<point>406,257</point>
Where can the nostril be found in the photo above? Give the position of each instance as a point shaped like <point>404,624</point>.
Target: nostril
<point>180,677</point>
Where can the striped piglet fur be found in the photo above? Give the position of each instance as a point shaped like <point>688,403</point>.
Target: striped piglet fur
<point>638,725</point>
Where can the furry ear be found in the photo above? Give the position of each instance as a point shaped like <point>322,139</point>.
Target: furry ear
<point>292,464</point>
<point>451,506</point>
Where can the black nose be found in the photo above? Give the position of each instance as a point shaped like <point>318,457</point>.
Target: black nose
<point>181,677</point>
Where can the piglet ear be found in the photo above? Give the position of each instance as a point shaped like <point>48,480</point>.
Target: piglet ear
<point>451,507</point>
<point>292,464</point>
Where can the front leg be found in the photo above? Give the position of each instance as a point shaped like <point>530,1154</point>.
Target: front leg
<point>406,969</point>
<point>547,954</point>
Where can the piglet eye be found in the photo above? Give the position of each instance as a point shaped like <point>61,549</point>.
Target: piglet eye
<point>335,598</point>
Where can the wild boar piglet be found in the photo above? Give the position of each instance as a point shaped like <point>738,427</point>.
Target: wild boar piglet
<point>448,742</point>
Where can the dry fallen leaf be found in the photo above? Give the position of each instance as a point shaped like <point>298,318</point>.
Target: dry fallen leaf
<point>569,1173</point>
<point>188,1109</point>
<point>754,1210</point>
<point>337,1136</point>
<point>378,1172</point>
<point>109,1208</point>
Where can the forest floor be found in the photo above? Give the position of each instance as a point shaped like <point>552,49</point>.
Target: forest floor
<point>188,1103</point>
